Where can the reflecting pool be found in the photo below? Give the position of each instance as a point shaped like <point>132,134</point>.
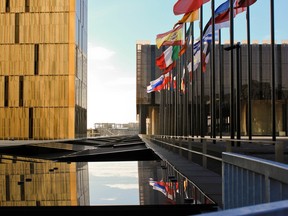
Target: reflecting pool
<point>90,173</point>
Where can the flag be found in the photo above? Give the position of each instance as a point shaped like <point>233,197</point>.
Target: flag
<point>165,59</point>
<point>183,48</point>
<point>155,83</point>
<point>165,81</point>
<point>159,83</point>
<point>166,188</point>
<point>176,52</point>
<point>168,57</point>
<point>174,84</point>
<point>172,37</point>
<point>205,56</point>
<point>169,68</point>
<point>222,17</point>
<point>197,60</point>
<point>186,6</point>
<point>244,3</point>
<point>158,185</point>
<point>189,68</point>
<point>188,17</point>
<point>170,84</point>
<point>182,87</point>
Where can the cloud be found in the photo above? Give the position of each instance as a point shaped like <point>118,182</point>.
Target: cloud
<point>109,85</point>
<point>123,186</point>
<point>122,81</point>
<point>108,199</point>
<point>111,169</point>
<point>99,53</point>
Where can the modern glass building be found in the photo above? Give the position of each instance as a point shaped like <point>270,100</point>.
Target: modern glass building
<point>251,98</point>
<point>43,69</point>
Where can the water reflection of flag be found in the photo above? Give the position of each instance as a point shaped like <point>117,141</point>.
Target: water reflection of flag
<point>160,186</point>
<point>167,188</point>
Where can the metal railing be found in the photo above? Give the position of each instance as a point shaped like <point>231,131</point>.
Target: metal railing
<point>277,148</point>
<point>249,180</point>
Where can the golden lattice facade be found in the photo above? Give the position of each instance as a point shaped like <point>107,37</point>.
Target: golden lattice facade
<point>43,69</point>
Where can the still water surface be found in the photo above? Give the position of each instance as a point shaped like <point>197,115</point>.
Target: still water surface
<point>140,183</point>
<point>114,183</point>
<point>36,182</point>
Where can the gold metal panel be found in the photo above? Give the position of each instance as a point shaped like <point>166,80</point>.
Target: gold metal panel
<point>44,27</point>
<point>14,123</point>
<point>14,91</point>
<point>71,122</point>
<point>50,5</point>
<point>7,28</point>
<point>50,91</point>
<point>16,59</point>
<point>17,6</point>
<point>51,123</point>
<point>46,91</point>
<point>72,27</point>
<point>53,59</point>
<point>2,6</point>
<point>2,93</point>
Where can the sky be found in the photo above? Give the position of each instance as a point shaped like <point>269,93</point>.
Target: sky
<point>114,27</point>
<point>114,183</point>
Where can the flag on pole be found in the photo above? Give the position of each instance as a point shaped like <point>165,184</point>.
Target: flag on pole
<point>174,84</point>
<point>183,48</point>
<point>186,6</point>
<point>182,87</point>
<point>159,83</point>
<point>197,57</point>
<point>165,59</point>
<point>155,83</point>
<point>190,72</point>
<point>169,68</point>
<point>206,56</point>
<point>172,37</point>
<point>222,17</point>
<point>244,3</point>
<point>188,17</point>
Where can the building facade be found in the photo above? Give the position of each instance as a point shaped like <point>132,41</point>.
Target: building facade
<point>207,96</point>
<point>43,69</point>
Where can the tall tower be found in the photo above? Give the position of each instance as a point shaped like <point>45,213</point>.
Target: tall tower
<point>43,69</point>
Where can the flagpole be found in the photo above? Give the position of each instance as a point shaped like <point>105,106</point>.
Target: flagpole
<point>273,70</point>
<point>232,132</point>
<point>187,87</point>
<point>186,119</point>
<point>220,85</point>
<point>213,116</point>
<point>192,86</point>
<point>177,126</point>
<point>162,114</point>
<point>201,75</point>
<point>169,123</point>
<point>249,76</point>
<point>238,103</point>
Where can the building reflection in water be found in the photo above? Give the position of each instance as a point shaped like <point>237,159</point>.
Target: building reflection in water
<point>160,183</point>
<point>37,182</point>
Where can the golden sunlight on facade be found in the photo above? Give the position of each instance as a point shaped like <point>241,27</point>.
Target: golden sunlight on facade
<point>43,69</point>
